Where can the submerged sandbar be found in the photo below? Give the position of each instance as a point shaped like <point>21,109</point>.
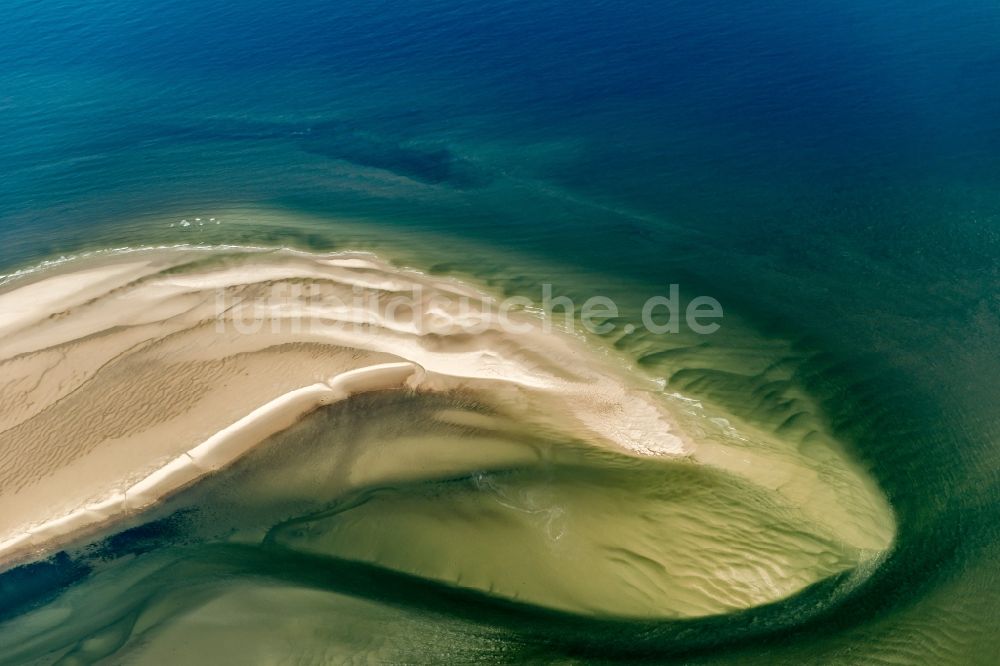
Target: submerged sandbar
<point>130,379</point>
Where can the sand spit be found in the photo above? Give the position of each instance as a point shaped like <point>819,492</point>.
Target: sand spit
<point>126,378</point>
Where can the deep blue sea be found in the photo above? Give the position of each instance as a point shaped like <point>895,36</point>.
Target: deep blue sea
<point>830,171</point>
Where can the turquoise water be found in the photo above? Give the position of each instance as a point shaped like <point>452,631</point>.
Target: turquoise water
<point>829,172</point>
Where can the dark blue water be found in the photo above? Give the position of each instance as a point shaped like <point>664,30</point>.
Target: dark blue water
<point>829,170</point>
<point>720,116</point>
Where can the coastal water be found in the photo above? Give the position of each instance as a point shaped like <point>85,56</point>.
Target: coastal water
<point>830,172</point>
